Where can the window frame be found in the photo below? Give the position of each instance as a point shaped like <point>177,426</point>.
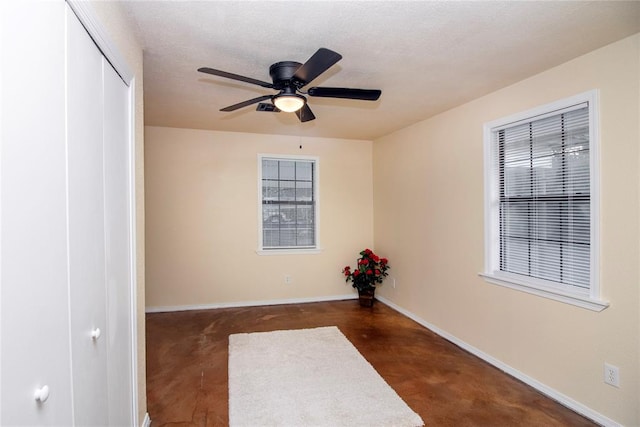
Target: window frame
<point>586,298</point>
<point>316,191</point>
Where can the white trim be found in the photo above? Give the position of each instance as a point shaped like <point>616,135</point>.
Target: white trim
<point>290,251</point>
<point>67,25</point>
<point>548,292</point>
<point>542,110</point>
<point>316,193</point>
<point>133,250</point>
<point>492,273</point>
<point>594,177</point>
<point>91,23</point>
<point>238,304</point>
<point>146,422</point>
<point>539,113</point>
<point>543,388</point>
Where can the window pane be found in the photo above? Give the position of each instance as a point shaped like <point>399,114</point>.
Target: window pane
<point>270,190</point>
<point>517,179</point>
<point>304,171</point>
<point>578,224</point>
<point>577,258</point>
<point>577,172</point>
<point>514,256</point>
<point>288,237</point>
<point>270,215</point>
<point>269,169</point>
<point>271,237</point>
<point>304,215</point>
<point>548,263</point>
<point>305,236</point>
<point>288,214</point>
<point>287,170</point>
<point>304,191</point>
<point>515,220</point>
<point>287,191</point>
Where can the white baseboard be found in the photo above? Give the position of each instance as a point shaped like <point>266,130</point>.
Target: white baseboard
<point>249,303</point>
<point>542,388</point>
<point>146,422</point>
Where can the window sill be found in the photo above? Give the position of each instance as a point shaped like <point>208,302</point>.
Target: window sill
<point>289,251</point>
<point>547,292</point>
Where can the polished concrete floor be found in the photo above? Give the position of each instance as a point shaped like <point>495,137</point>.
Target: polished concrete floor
<point>187,356</point>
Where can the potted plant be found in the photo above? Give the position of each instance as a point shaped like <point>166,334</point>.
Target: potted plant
<point>370,271</point>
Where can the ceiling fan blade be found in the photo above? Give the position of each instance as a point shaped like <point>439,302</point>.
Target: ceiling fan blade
<point>245,103</point>
<point>320,62</point>
<point>305,114</point>
<point>234,77</point>
<point>343,92</point>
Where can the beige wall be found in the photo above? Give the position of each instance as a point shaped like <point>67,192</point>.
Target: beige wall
<point>120,32</point>
<point>202,218</point>
<point>428,206</point>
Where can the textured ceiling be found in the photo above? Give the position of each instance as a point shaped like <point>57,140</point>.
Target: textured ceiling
<point>425,56</point>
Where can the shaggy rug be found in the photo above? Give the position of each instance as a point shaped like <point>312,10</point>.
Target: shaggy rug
<point>308,377</point>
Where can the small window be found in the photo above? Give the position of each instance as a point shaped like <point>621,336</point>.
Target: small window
<point>288,203</point>
<point>541,201</point>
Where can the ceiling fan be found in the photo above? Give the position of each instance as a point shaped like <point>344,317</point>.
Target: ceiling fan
<point>289,78</point>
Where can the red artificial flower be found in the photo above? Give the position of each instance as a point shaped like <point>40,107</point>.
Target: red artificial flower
<point>370,269</point>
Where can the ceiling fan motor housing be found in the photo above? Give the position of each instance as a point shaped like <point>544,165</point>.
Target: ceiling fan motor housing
<point>282,72</point>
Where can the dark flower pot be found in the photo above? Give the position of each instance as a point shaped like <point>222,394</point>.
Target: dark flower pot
<point>366,297</point>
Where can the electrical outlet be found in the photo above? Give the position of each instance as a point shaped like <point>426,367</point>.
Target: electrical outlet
<point>288,279</point>
<point>611,375</point>
<point>393,282</point>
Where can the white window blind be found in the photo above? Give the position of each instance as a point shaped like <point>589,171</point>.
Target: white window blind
<point>543,178</point>
<point>288,203</point>
<point>541,201</point>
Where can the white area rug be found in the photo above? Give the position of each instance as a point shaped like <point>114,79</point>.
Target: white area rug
<point>308,377</point>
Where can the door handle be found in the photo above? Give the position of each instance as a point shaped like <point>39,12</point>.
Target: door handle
<point>95,334</point>
<point>42,394</point>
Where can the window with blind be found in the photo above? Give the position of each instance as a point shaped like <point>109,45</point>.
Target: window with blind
<point>288,203</point>
<point>540,200</point>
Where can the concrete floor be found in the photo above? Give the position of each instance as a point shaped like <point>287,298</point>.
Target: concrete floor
<point>187,355</point>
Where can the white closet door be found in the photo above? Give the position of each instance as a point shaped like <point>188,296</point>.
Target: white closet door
<point>86,226</point>
<point>117,185</point>
<point>34,317</point>
<point>65,220</point>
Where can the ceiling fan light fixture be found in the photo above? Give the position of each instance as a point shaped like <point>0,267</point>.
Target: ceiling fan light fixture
<point>289,103</point>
